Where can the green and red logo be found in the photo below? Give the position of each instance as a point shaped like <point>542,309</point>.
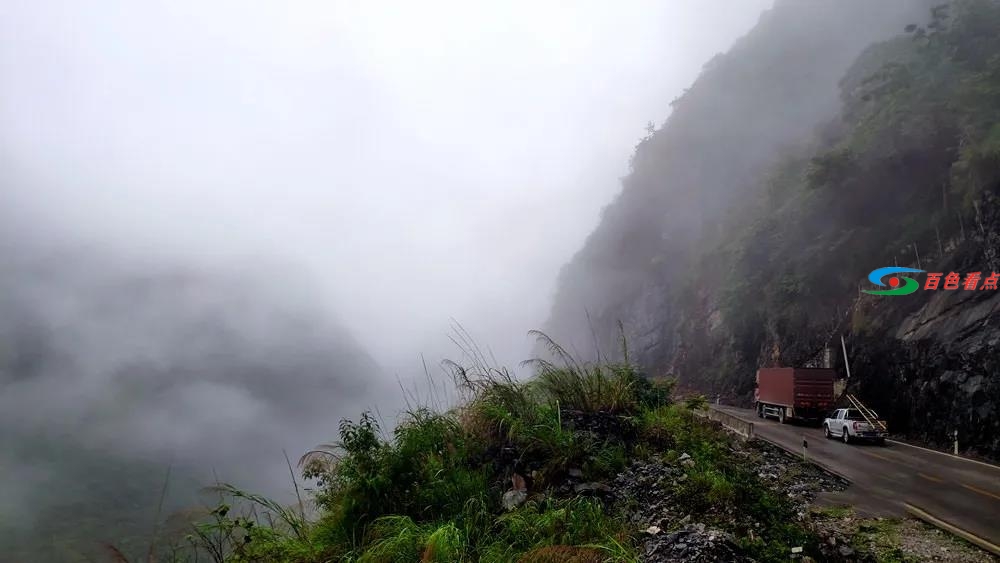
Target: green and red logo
<point>953,280</point>
<point>909,285</point>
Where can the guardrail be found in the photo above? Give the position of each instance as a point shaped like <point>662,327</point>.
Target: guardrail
<point>737,425</point>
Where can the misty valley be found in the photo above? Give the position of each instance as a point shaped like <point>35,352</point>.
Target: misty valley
<point>384,282</point>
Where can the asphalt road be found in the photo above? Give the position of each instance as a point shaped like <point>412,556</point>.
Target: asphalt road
<point>884,479</point>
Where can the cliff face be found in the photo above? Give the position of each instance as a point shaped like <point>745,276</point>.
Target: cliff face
<point>930,363</point>
<point>769,92</point>
<point>828,142</point>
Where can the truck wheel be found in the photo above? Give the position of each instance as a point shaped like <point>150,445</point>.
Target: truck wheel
<point>846,436</point>
<point>881,442</point>
<point>826,431</point>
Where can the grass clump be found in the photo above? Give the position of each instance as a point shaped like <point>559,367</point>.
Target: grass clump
<point>432,488</point>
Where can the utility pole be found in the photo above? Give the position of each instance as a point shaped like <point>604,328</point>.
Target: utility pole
<point>847,364</point>
<point>956,441</point>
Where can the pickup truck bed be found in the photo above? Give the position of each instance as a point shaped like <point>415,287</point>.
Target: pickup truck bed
<point>849,424</point>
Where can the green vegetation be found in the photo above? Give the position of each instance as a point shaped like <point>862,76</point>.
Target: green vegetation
<point>882,537</point>
<point>898,177</point>
<point>433,488</point>
<point>749,220</point>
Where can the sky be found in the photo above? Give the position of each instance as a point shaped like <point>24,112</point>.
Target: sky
<point>412,162</point>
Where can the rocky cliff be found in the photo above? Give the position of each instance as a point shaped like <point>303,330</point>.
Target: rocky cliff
<point>833,139</point>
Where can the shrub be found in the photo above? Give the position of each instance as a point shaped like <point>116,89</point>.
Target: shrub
<point>576,522</point>
<point>430,491</point>
<point>590,388</point>
<point>422,473</point>
<point>398,538</point>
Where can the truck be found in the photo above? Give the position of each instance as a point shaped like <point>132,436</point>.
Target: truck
<point>799,393</point>
<point>855,424</point>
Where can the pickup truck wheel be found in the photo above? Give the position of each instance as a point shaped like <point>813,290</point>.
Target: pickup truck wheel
<point>846,436</point>
<point>826,431</point>
<point>881,442</point>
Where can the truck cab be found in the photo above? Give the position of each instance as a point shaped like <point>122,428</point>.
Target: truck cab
<point>850,424</point>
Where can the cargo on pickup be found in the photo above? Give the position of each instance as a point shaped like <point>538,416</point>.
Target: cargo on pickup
<point>802,393</point>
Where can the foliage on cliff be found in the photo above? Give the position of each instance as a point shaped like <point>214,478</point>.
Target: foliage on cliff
<point>775,238</point>
<point>519,472</point>
<point>914,150</point>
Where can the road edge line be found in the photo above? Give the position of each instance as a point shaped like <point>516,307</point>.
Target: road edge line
<point>969,459</point>
<point>953,529</point>
<point>797,453</point>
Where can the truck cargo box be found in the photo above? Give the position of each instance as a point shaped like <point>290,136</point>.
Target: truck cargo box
<point>795,392</point>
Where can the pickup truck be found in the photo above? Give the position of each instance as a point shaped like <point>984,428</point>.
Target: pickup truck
<point>849,424</point>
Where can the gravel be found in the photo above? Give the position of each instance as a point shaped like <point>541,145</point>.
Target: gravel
<point>644,489</point>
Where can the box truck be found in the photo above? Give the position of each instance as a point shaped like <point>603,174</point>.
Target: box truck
<point>800,393</point>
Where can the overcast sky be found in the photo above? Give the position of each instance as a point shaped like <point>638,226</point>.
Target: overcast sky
<point>416,161</point>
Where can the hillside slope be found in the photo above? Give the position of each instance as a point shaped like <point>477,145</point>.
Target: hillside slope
<point>798,162</point>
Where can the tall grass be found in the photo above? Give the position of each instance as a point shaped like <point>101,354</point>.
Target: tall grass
<point>430,489</point>
<point>597,387</point>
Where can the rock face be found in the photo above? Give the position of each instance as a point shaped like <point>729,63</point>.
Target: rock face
<point>772,89</point>
<point>928,389</point>
<point>929,363</point>
<point>740,242</point>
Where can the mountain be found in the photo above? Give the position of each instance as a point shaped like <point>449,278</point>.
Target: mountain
<point>835,138</point>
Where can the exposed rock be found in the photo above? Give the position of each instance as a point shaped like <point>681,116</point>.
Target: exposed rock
<point>599,423</point>
<point>592,487</point>
<point>518,483</point>
<point>692,543</point>
<point>514,499</point>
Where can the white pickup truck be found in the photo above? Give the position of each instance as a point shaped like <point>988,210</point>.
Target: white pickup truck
<point>849,424</point>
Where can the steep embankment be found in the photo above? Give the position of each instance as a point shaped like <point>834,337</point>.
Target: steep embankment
<point>749,220</point>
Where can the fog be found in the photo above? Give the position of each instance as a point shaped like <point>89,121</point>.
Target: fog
<point>225,194</point>
<point>423,161</point>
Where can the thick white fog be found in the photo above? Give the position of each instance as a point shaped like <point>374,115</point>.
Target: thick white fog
<point>414,161</point>
<point>226,225</point>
